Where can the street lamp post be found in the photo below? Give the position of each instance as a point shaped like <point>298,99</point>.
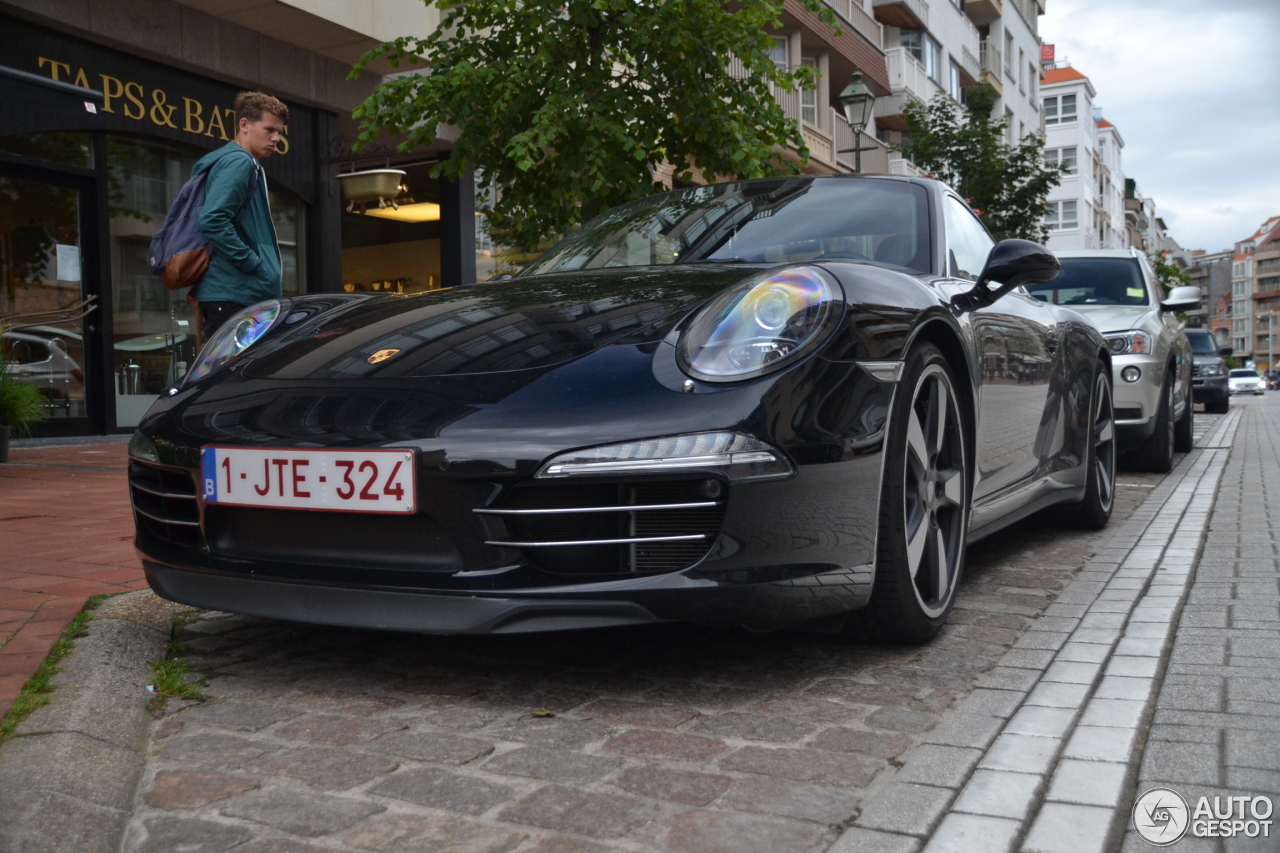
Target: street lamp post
<point>857,101</point>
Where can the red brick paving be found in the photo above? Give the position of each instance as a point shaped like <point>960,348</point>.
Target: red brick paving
<point>66,533</point>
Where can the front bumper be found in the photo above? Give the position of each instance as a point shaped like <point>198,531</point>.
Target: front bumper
<point>1204,388</point>
<point>1251,388</point>
<point>788,552</point>
<point>1136,403</point>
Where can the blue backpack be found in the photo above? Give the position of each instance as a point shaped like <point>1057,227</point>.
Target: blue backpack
<point>179,253</point>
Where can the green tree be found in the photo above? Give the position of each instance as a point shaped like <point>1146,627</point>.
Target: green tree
<point>569,105</point>
<point>1007,186</point>
<point>1168,273</point>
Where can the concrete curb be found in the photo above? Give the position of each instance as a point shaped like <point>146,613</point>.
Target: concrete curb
<point>69,777</point>
<point>1050,767</point>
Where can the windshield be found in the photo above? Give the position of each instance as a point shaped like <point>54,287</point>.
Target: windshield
<point>768,222</point>
<point>1243,373</point>
<point>1202,343</point>
<point>1094,281</point>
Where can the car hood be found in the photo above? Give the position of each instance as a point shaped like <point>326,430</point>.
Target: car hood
<point>1112,318</point>
<point>520,324</point>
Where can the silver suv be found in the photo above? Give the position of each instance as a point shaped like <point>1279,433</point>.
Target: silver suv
<point>1117,291</point>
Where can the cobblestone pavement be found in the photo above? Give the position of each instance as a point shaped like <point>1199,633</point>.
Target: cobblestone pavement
<point>673,737</point>
<point>67,534</point>
<point>1216,727</point>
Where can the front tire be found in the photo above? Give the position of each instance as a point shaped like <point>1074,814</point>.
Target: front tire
<point>1218,407</point>
<point>1156,454</point>
<point>1184,432</point>
<point>1094,511</point>
<point>924,505</point>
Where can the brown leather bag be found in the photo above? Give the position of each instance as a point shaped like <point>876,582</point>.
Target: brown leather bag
<point>185,269</point>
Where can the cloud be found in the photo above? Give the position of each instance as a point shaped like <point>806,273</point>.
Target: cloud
<point>1192,88</point>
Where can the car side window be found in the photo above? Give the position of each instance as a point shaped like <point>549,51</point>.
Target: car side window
<point>968,243</point>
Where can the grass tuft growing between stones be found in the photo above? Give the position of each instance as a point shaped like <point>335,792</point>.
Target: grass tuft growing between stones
<point>36,689</point>
<point>173,678</point>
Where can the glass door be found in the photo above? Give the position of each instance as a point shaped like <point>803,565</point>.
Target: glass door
<point>41,285</point>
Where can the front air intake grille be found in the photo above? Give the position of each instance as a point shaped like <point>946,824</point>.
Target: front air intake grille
<point>164,503</point>
<point>1128,414</point>
<point>611,528</point>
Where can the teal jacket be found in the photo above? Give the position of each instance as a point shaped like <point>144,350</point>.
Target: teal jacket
<point>244,260</point>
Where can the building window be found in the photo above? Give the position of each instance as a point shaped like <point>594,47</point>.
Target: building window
<point>1008,54</point>
<point>1268,283</point>
<point>1269,265</point>
<point>1034,86</point>
<point>1062,157</point>
<point>809,98</point>
<point>1062,215</point>
<point>1239,289</point>
<point>1060,110</point>
<point>778,53</point>
<point>1022,67</point>
<point>1008,125</point>
<point>954,88</point>
<point>925,50</point>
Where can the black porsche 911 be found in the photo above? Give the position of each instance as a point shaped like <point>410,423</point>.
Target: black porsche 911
<point>770,403</point>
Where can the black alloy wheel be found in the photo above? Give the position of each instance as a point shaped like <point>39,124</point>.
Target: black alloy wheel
<point>1156,453</point>
<point>1184,433</point>
<point>1094,510</point>
<point>924,505</point>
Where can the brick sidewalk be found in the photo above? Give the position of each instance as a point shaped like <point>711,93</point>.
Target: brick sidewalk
<point>67,534</point>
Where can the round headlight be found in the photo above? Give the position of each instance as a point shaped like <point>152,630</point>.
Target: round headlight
<point>760,324</point>
<point>1131,374</point>
<point>234,337</point>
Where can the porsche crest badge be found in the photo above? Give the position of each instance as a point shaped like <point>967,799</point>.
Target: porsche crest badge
<point>382,355</point>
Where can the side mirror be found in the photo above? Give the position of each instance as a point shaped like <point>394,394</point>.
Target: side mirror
<point>1011,264</point>
<point>1182,299</point>
<point>1225,352</point>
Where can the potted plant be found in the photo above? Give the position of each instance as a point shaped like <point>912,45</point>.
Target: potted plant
<point>21,407</point>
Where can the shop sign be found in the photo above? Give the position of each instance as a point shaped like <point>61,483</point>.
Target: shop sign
<point>145,97</point>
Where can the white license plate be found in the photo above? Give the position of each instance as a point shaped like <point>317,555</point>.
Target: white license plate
<point>333,480</point>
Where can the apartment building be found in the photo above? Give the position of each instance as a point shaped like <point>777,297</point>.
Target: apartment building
<point>940,48</point>
<point>1256,273</point>
<point>1087,209</point>
<point>1211,272</point>
<point>1250,303</point>
<point>804,40</point>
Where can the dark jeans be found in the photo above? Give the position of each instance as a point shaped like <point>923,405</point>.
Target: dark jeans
<point>214,314</point>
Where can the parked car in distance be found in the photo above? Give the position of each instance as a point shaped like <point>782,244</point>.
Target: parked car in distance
<point>1245,380</point>
<point>1117,291</point>
<point>1208,371</point>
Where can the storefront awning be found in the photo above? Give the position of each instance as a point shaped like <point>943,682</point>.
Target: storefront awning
<point>29,103</point>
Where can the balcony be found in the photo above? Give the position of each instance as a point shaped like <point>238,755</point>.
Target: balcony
<point>908,14</point>
<point>989,60</point>
<point>899,165</point>
<point>907,82</point>
<point>857,17</point>
<point>969,49</point>
<point>874,162</point>
<point>984,10</point>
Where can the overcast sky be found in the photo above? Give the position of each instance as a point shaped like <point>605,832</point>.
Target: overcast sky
<point>1194,88</point>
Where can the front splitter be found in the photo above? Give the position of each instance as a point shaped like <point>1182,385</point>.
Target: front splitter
<point>386,609</point>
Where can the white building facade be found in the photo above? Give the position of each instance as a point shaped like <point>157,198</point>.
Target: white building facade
<point>940,48</point>
<point>1087,209</point>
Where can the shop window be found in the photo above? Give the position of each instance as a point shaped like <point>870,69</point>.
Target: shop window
<point>69,148</point>
<point>395,249</point>
<point>40,274</point>
<point>154,328</point>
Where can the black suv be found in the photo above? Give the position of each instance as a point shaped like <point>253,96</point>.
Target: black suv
<point>1208,371</point>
